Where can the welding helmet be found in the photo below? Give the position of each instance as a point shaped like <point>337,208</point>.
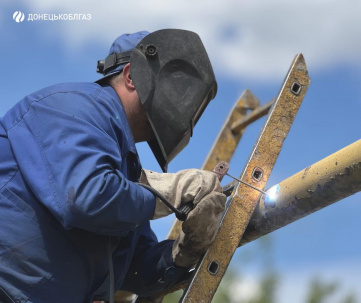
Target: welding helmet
<point>174,80</point>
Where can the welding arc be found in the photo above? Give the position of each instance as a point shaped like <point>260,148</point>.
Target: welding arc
<point>245,183</point>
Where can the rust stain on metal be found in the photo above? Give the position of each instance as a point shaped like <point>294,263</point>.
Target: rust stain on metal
<point>243,202</point>
<point>306,172</point>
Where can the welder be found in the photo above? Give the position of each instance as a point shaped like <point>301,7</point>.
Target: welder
<point>74,218</point>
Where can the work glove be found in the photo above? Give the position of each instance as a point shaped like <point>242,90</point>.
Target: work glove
<point>190,185</point>
<point>199,230</point>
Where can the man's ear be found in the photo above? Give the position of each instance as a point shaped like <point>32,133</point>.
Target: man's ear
<point>127,78</point>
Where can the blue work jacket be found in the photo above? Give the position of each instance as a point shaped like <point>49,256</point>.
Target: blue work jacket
<point>68,201</point>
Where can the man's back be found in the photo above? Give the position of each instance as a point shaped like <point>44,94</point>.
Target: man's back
<point>49,251</point>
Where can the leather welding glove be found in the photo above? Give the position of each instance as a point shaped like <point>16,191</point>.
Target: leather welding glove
<point>189,185</point>
<point>199,230</point>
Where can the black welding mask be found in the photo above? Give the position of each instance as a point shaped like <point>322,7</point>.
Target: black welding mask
<point>174,80</point>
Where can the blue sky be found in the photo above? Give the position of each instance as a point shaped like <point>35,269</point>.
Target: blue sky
<point>251,45</point>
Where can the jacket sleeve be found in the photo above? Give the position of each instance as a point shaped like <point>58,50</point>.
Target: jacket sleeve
<point>152,268</point>
<point>69,149</point>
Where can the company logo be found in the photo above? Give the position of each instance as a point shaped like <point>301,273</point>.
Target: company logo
<point>18,16</point>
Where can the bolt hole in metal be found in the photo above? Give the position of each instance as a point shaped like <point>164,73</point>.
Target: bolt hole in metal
<point>213,268</point>
<point>257,174</point>
<point>296,88</point>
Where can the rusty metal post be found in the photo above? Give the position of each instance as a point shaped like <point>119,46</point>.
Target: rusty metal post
<point>212,266</point>
<point>319,185</point>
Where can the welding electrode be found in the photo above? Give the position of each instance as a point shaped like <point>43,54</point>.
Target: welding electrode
<point>245,183</point>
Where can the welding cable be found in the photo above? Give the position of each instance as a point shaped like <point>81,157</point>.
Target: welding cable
<point>179,213</point>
